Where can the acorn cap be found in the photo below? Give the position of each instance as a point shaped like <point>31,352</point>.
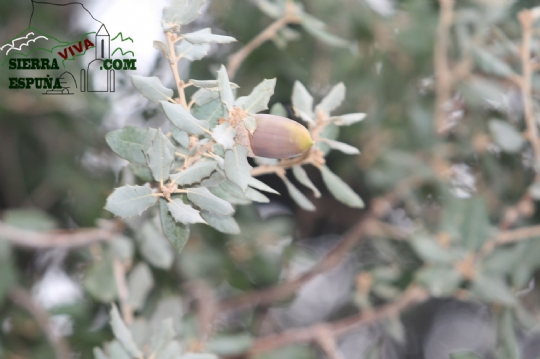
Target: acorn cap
<point>279,137</point>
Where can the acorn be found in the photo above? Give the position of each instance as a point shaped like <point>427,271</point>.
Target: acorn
<point>279,137</point>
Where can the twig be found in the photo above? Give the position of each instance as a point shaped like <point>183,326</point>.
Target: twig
<point>326,340</point>
<point>443,74</point>
<point>23,298</point>
<point>526,20</point>
<point>411,297</point>
<point>173,60</point>
<point>286,289</point>
<point>123,292</point>
<point>64,238</point>
<point>508,237</point>
<point>236,59</point>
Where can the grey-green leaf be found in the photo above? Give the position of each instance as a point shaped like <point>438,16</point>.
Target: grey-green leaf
<point>184,213</point>
<point>506,136</point>
<point>279,110</point>
<point>464,355</point>
<point>154,247</point>
<point>255,195</point>
<point>302,100</point>
<point>224,135</point>
<point>258,99</point>
<point>332,101</point>
<point>164,335</point>
<point>298,196</point>
<point>208,201</point>
<point>210,85</point>
<point>195,173</point>
<point>99,280</point>
<point>152,88</point>
<point>340,146</point>
<point>237,168</point>
<point>122,333</point>
<point>99,354</point>
<point>184,120</point>
<point>340,189</point>
<point>127,143</point>
<point>493,289</point>
<point>187,50</point>
<point>349,119</point>
<point>207,38</point>
<point>210,111</point>
<point>225,91</point>
<point>160,157</point>
<point>181,137</point>
<point>225,224</point>
<point>303,178</point>
<point>176,233</point>
<point>251,124</point>
<point>255,183</point>
<point>129,200</point>
<point>440,280</point>
<point>490,63</point>
<point>229,344</point>
<point>182,12</point>
<point>140,281</point>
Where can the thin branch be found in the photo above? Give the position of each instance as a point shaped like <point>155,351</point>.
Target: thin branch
<point>326,340</point>
<point>62,238</point>
<point>284,290</point>
<point>173,60</point>
<point>509,237</point>
<point>23,298</point>
<point>443,75</point>
<point>236,59</point>
<point>410,298</point>
<point>526,20</point>
<point>123,291</point>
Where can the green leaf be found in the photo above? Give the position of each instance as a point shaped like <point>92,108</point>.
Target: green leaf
<point>225,91</point>
<point>227,196</point>
<point>184,120</point>
<point>184,213</point>
<point>506,136</point>
<point>258,99</point>
<point>349,119</point>
<point>341,191</point>
<point>211,85</point>
<point>298,196</point>
<point>225,224</point>
<point>160,157</point>
<point>152,88</point>
<point>181,137</point>
<point>182,12</point>
<point>204,199</point>
<point>202,97</point>
<point>140,282</point>
<point>255,195</point>
<point>199,356</point>
<point>237,168</point>
<point>117,351</point>
<point>302,100</point>
<point>128,143</point>
<point>340,146</point>
<point>162,337</point>
<point>176,233</point>
<point>211,111</point>
<point>440,280</point>
<point>129,200</point>
<point>215,179</point>
<point>224,134</point>
<point>491,64</point>
<point>430,251</point>
<point>332,101</point>
<point>475,223</point>
<point>32,219</point>
<point>99,280</point>
<point>195,173</point>
<point>170,351</point>
<point>122,333</point>
<point>493,289</point>
<point>278,110</point>
<point>143,172</point>
<point>255,183</point>
<point>98,354</point>
<point>229,345</point>
<point>251,124</point>
<point>200,37</point>
<point>313,26</point>
<point>154,247</point>
<point>191,52</point>
<point>303,178</point>
<point>464,355</point>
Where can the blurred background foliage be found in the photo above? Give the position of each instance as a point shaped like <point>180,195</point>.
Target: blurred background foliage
<point>451,188</point>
